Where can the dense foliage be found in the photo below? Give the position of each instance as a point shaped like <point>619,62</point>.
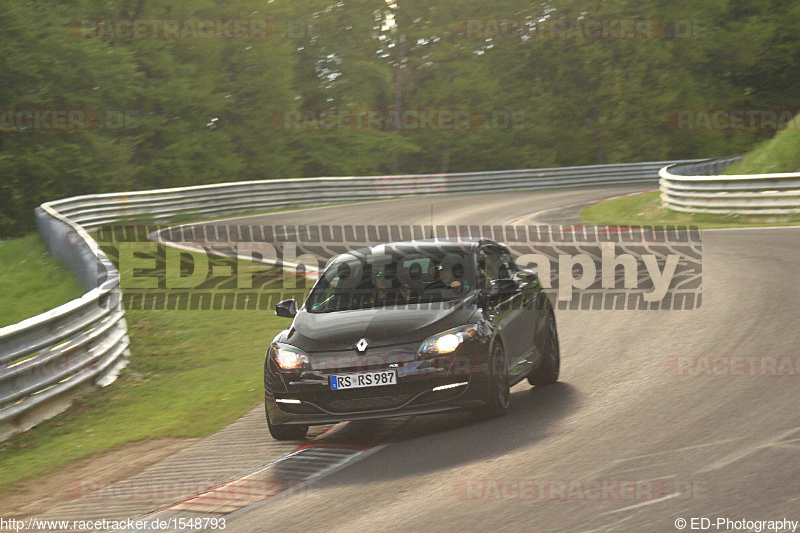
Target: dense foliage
<point>178,111</point>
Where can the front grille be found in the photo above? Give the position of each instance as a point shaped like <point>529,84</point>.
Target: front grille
<point>375,403</point>
<point>413,393</point>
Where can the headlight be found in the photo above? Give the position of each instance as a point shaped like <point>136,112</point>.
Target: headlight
<point>288,357</point>
<point>446,342</point>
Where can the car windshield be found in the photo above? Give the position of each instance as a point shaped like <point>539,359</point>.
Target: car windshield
<point>391,276</point>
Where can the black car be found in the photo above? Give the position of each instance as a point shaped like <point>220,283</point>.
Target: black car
<point>410,328</point>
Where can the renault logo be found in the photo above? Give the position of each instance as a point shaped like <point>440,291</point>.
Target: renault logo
<point>361,346</point>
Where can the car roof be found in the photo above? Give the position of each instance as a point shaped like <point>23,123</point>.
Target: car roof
<point>468,243</point>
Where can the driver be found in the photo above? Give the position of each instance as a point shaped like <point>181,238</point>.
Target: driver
<point>452,276</point>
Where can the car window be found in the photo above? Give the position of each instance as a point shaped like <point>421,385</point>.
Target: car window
<point>400,277</point>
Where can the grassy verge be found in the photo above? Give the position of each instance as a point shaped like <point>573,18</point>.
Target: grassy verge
<point>33,282</point>
<point>646,209</point>
<point>191,374</point>
<point>779,154</point>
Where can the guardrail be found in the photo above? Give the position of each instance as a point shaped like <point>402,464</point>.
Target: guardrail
<point>699,188</point>
<point>47,359</point>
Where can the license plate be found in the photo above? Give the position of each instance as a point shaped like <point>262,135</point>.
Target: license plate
<point>364,379</point>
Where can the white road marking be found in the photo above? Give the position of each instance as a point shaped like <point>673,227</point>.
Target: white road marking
<point>752,228</point>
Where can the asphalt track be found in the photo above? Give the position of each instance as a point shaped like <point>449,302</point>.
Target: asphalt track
<point>621,443</point>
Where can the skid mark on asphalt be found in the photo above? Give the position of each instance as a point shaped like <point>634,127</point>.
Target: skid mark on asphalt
<point>643,504</point>
<point>775,441</point>
<point>611,465</point>
<point>692,487</point>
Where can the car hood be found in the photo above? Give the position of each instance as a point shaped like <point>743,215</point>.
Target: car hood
<point>341,330</point>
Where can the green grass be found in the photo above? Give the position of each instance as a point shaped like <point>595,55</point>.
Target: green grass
<point>33,282</point>
<point>191,374</point>
<point>646,209</point>
<point>779,154</point>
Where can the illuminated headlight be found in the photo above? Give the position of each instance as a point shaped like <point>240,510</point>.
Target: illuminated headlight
<point>446,342</point>
<point>288,357</point>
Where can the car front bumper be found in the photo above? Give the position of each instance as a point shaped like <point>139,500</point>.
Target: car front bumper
<point>422,387</point>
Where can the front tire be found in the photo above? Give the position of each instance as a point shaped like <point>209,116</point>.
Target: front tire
<point>547,371</point>
<point>286,431</point>
<point>498,393</point>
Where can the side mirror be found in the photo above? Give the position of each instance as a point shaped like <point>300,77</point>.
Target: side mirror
<point>286,308</point>
<point>503,287</point>
<point>526,276</point>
